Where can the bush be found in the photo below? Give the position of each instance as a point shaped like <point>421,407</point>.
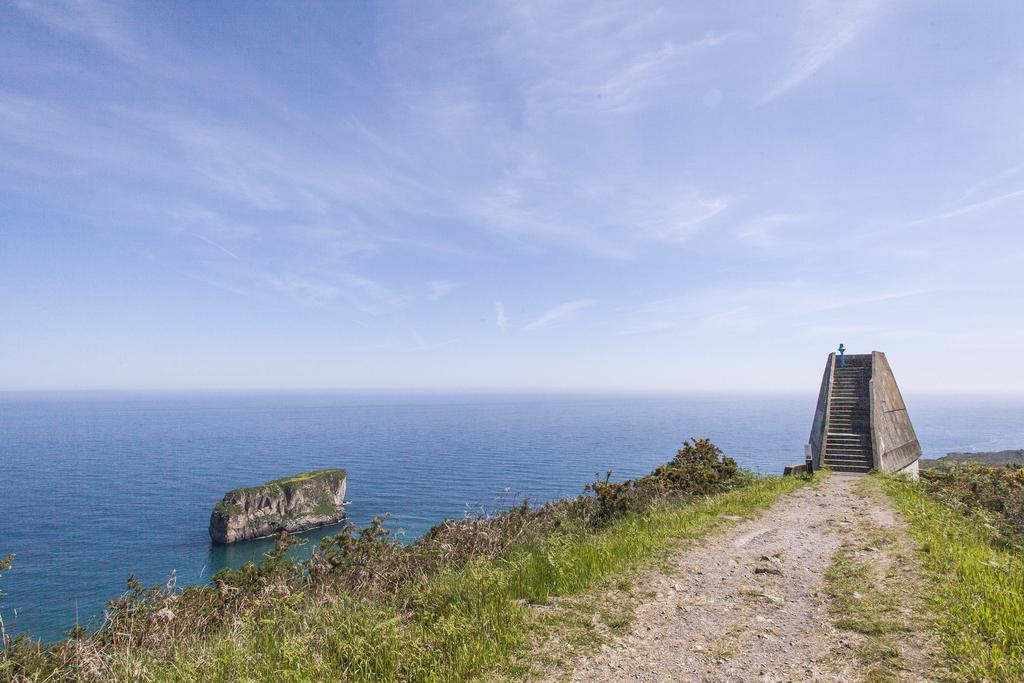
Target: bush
<point>698,469</point>
<point>972,487</point>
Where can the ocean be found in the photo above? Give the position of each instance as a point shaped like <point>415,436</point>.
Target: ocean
<point>96,487</point>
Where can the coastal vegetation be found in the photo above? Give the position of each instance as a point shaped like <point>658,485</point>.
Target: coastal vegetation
<point>465,599</point>
<point>967,523</point>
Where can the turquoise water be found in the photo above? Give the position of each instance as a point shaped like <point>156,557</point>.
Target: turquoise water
<point>98,487</point>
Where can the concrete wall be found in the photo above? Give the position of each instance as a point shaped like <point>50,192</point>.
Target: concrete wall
<point>894,442</point>
<point>820,413</point>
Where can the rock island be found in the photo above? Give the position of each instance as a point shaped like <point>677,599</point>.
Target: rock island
<point>297,503</point>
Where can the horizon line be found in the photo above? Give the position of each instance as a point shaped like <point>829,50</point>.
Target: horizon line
<point>12,392</point>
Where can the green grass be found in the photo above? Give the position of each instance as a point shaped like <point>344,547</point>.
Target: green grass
<point>330,475</point>
<point>859,602</point>
<point>457,625</point>
<point>977,586</point>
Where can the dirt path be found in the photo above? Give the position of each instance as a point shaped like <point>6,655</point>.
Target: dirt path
<point>750,604</point>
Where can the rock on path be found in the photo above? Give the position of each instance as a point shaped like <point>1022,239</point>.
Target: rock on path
<point>747,605</point>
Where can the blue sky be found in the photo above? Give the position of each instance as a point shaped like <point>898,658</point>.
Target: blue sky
<point>586,196</point>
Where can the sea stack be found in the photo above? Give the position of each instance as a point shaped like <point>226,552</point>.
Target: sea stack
<point>297,503</point>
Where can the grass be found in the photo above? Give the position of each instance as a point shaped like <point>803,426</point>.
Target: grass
<point>458,624</point>
<point>976,584</point>
<point>866,604</point>
<point>284,482</point>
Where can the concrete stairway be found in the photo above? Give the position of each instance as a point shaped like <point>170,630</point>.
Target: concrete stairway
<point>847,445</point>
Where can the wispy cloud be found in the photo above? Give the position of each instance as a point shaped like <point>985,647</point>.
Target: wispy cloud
<point>334,291</point>
<point>992,181</point>
<point>749,308</point>
<point>561,313</point>
<point>437,289</point>
<point>764,231</point>
<point>91,19</point>
<point>825,30</point>
<point>971,207</point>
<point>501,318</point>
<point>218,246</point>
<point>602,75</point>
<point>682,221</point>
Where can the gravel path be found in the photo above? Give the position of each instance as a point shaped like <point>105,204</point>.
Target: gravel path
<point>748,605</point>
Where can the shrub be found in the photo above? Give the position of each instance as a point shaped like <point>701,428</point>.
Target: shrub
<point>971,487</point>
<point>699,468</point>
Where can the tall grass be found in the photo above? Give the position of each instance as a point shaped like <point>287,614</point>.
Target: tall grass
<point>456,625</point>
<point>977,585</point>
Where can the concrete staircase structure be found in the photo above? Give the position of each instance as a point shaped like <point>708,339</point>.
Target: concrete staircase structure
<point>847,443</point>
<point>861,422</point>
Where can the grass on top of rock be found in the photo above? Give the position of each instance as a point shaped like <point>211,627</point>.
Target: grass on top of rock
<point>450,606</point>
<point>329,475</point>
<point>965,521</point>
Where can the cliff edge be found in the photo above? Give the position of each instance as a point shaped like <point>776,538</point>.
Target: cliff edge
<point>303,501</point>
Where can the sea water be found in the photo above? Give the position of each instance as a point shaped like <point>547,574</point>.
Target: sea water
<point>95,488</point>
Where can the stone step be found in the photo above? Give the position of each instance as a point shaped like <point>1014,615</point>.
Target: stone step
<point>846,457</point>
<point>840,460</point>
<point>849,462</point>
<point>848,469</point>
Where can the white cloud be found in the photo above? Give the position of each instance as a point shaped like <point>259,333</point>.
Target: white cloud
<point>825,30</point>
<point>750,308</point>
<point>992,181</point>
<point>502,319</point>
<point>439,288</point>
<point>683,220</point>
<point>971,207</point>
<point>560,313</point>
<point>91,19</point>
<point>763,231</point>
<point>219,246</point>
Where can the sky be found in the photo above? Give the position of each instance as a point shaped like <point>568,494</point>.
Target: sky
<point>580,196</point>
